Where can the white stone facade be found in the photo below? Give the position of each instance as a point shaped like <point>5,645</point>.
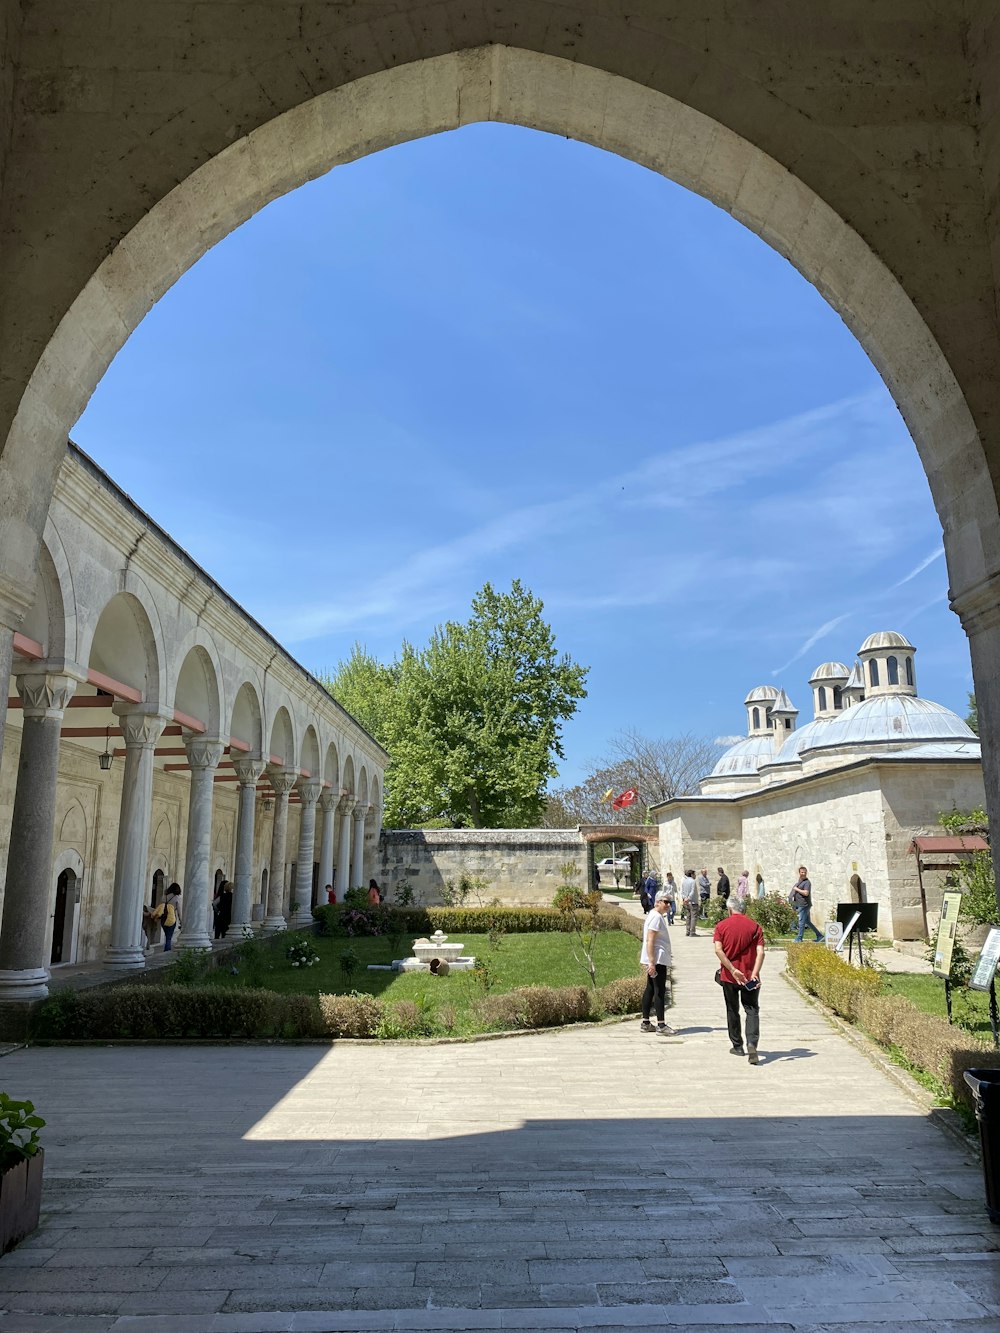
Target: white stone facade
<point>228,760</point>
<point>845,795</point>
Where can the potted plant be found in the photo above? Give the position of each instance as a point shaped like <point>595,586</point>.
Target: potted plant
<point>21,1158</point>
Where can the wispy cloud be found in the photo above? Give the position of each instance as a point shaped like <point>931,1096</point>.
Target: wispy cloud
<point>919,568</point>
<point>824,630</point>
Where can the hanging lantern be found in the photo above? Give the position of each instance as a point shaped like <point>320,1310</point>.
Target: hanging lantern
<point>107,758</point>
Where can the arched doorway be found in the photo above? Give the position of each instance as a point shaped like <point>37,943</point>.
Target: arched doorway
<point>66,918</point>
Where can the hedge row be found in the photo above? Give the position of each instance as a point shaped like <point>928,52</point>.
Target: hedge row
<point>927,1042</point>
<point>338,919</point>
<point>158,1012</point>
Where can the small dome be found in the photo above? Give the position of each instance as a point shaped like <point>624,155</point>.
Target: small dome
<point>893,718</point>
<point>745,757</point>
<point>885,638</point>
<point>761,694</point>
<point>800,740</point>
<point>834,671</point>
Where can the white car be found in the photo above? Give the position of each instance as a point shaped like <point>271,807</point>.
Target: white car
<point>609,863</point>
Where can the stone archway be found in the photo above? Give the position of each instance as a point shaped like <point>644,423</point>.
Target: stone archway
<point>762,128</point>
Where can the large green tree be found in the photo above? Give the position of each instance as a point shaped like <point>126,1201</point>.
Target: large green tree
<point>473,721</point>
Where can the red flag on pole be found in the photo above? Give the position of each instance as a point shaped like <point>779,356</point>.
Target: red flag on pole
<point>626,799</point>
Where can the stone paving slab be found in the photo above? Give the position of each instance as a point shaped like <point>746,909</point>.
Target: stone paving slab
<point>587,1179</point>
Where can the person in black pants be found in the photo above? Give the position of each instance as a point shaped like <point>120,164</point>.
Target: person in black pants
<point>739,947</point>
<point>655,957</point>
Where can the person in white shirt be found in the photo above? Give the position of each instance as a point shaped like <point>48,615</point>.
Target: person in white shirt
<point>655,957</point>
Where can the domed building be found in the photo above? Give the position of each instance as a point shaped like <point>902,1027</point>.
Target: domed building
<point>845,794</point>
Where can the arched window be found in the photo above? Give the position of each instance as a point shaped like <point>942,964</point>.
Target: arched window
<point>756,718</point>
<point>788,724</point>
<point>873,672</point>
<point>838,697</point>
<point>822,697</point>
<point>909,671</point>
<point>892,668</point>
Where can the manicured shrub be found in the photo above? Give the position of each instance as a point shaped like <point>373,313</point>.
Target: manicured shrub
<point>924,1040</point>
<point>548,1006</point>
<point>500,1013</point>
<point>353,1015</point>
<point>623,996</point>
<point>150,1012</point>
<point>774,914</point>
<point>336,919</point>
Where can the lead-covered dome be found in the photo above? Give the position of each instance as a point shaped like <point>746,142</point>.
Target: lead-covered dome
<point>834,671</point>
<point>761,694</point>
<point>900,719</point>
<point>885,638</point>
<point>744,758</point>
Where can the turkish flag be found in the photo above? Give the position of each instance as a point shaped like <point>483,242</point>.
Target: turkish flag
<point>626,799</point>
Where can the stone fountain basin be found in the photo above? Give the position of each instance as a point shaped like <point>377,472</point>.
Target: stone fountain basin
<point>425,952</point>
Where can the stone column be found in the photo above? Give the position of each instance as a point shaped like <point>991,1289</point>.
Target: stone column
<point>979,611</point>
<point>358,859</point>
<point>328,805</point>
<point>141,730</point>
<point>23,965</point>
<point>344,857</point>
<point>282,781</point>
<point>15,601</point>
<point>203,755</point>
<point>309,790</point>
<point>248,772</point>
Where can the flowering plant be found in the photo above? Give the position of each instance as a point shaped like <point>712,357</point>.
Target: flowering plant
<point>300,953</point>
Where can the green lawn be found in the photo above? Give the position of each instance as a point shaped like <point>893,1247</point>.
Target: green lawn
<point>543,959</point>
<point>970,1008</point>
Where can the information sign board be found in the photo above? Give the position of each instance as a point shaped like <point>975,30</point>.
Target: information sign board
<point>986,966</point>
<point>950,904</point>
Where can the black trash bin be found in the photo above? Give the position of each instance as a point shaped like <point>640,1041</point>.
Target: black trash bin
<point>985,1085</point>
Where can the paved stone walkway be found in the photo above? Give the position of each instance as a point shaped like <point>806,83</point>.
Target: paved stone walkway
<point>585,1179</point>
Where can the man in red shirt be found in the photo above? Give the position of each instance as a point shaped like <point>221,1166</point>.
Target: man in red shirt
<point>739,947</point>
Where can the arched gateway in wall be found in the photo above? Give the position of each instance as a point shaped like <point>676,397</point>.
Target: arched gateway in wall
<point>871,180</point>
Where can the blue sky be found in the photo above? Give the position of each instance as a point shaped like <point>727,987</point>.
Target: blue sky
<point>494,354</point>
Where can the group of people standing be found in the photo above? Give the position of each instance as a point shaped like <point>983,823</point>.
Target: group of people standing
<point>694,892</point>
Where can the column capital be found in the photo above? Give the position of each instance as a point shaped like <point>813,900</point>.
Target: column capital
<point>309,790</point>
<point>978,607</point>
<point>141,728</point>
<point>45,693</point>
<point>248,770</point>
<point>282,780</point>
<point>203,752</point>
<point>328,798</point>
<point>345,802</point>
<point>361,809</point>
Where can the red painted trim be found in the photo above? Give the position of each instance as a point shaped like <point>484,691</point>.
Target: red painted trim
<point>176,768</point>
<point>242,746</point>
<point>89,731</point>
<point>186,720</point>
<point>278,760</point>
<point>25,647</point>
<point>115,687</point>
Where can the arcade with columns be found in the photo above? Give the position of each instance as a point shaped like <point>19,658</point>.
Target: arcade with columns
<point>156,733</point>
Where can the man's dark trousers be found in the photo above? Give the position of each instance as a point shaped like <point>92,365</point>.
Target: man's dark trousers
<point>750,999</point>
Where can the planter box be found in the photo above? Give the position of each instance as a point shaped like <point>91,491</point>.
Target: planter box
<point>20,1200</point>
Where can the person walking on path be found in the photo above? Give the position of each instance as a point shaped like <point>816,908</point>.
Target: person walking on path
<point>743,885</point>
<point>739,947</point>
<point>670,889</point>
<point>704,890</point>
<point>690,897</point>
<point>655,957</point>
<point>170,917</point>
<point>801,899</point>
<point>722,888</point>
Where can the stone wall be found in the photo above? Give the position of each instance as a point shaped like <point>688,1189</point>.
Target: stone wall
<point>520,865</point>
